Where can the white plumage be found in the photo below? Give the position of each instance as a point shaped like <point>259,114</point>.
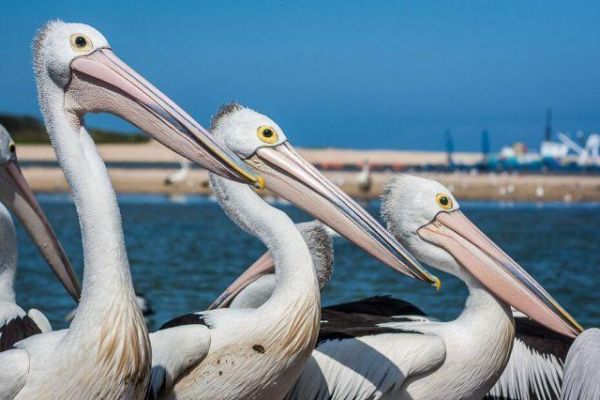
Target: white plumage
<point>582,372</point>
<point>142,303</point>
<point>15,323</point>
<point>365,347</point>
<point>15,193</point>
<point>474,348</point>
<point>535,368</point>
<point>321,249</point>
<point>104,333</point>
<point>105,353</point>
<point>259,353</point>
<point>233,354</point>
<point>528,375</point>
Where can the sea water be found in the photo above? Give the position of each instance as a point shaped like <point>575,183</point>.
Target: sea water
<point>184,251</point>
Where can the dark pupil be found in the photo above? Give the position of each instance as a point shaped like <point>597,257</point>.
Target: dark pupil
<point>11,148</point>
<point>444,201</point>
<point>268,133</point>
<point>80,41</point>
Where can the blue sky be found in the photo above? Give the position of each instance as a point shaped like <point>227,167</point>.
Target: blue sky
<point>386,74</point>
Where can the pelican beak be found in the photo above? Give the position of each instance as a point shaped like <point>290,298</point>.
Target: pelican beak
<point>291,177</point>
<point>101,82</point>
<point>263,266</point>
<point>16,194</point>
<point>495,270</point>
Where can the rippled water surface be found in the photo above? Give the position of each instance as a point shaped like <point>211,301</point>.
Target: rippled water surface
<point>183,253</point>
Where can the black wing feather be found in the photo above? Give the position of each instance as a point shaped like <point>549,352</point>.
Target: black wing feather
<point>542,339</point>
<point>15,330</point>
<point>383,306</point>
<point>187,319</point>
<point>364,317</point>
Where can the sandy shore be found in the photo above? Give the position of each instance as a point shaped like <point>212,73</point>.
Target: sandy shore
<point>154,152</point>
<point>489,186</point>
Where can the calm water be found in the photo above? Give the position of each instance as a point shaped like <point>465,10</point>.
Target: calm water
<point>183,254</point>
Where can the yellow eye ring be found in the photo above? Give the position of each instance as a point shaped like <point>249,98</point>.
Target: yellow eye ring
<point>267,134</point>
<point>444,201</point>
<point>80,43</point>
<point>12,147</point>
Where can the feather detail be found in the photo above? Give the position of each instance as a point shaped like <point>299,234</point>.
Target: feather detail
<point>582,377</point>
<point>124,346</point>
<point>535,367</point>
<point>15,330</point>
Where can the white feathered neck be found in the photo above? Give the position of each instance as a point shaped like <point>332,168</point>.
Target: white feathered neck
<point>108,333</point>
<point>293,263</point>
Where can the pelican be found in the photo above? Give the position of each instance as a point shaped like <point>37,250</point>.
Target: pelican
<point>180,175</point>
<point>259,353</point>
<point>105,353</point>
<point>15,193</point>
<point>535,367</point>
<point>386,348</point>
<point>582,375</point>
<point>364,179</point>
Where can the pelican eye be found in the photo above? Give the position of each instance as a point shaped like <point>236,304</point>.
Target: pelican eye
<point>444,201</point>
<point>80,42</point>
<point>12,147</point>
<point>267,134</point>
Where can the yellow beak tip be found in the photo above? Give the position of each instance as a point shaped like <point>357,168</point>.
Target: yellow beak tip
<point>437,283</point>
<point>260,183</point>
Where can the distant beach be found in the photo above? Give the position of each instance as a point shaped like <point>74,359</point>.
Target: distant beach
<point>143,168</point>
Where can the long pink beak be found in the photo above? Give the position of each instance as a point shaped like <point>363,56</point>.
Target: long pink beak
<point>494,269</point>
<point>101,82</point>
<point>291,177</point>
<point>16,194</point>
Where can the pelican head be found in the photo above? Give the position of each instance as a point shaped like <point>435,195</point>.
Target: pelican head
<point>75,62</point>
<point>426,218</point>
<point>16,194</point>
<point>263,145</point>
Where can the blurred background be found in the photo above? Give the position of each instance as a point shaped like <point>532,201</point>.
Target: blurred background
<point>498,100</point>
<point>393,74</point>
